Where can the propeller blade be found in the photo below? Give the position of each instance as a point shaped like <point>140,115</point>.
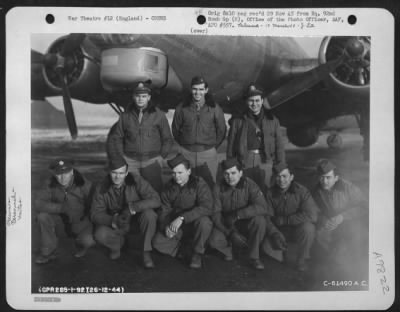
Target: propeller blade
<point>72,42</point>
<point>69,110</point>
<point>302,83</point>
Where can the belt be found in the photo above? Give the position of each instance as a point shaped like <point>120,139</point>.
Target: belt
<point>255,151</point>
<point>195,148</point>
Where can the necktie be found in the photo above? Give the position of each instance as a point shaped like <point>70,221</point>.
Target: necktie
<point>140,116</point>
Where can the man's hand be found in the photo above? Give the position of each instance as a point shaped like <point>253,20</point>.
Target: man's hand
<point>238,240</point>
<point>279,241</point>
<point>114,221</point>
<point>230,220</point>
<point>169,233</point>
<point>333,222</point>
<point>175,225</point>
<point>121,221</point>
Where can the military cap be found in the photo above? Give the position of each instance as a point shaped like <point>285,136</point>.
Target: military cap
<point>60,166</point>
<point>229,163</point>
<point>198,80</point>
<point>324,166</point>
<point>280,166</point>
<point>116,163</point>
<point>252,90</point>
<point>177,160</point>
<point>142,87</point>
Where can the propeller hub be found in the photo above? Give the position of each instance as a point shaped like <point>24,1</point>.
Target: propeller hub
<point>354,48</point>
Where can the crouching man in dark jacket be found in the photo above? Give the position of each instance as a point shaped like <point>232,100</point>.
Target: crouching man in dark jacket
<point>121,197</point>
<point>295,215</point>
<point>342,228</point>
<point>185,210</point>
<point>239,205</point>
<point>67,196</point>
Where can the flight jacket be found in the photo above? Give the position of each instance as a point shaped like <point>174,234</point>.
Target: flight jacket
<point>200,130</point>
<point>138,196</point>
<point>140,141</point>
<point>273,141</point>
<point>191,201</point>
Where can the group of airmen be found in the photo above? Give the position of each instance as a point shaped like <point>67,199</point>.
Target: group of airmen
<point>257,205</point>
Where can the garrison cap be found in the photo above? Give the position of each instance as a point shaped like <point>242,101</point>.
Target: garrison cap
<point>252,90</point>
<point>177,160</point>
<point>116,163</point>
<point>60,166</point>
<point>229,163</point>
<point>142,87</point>
<point>324,166</point>
<point>280,166</point>
<point>198,80</point>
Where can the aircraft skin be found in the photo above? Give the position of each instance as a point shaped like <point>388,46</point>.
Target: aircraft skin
<point>304,93</point>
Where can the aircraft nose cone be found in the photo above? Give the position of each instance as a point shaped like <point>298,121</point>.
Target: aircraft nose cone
<point>354,48</point>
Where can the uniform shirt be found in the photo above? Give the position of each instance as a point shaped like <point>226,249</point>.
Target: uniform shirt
<point>191,201</point>
<point>255,136</point>
<point>343,198</point>
<point>137,195</point>
<point>295,205</point>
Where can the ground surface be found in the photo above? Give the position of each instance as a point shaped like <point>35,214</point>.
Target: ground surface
<point>173,275</point>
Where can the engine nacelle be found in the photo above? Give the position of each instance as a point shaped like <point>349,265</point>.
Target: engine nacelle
<point>122,68</point>
<point>351,79</point>
<point>82,72</point>
<point>303,136</point>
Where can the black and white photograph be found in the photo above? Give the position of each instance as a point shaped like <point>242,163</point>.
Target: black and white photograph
<point>198,162</point>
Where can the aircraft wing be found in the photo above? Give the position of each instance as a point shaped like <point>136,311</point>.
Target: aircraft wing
<point>100,68</point>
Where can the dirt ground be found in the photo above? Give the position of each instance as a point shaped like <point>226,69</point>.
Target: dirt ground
<point>173,275</point>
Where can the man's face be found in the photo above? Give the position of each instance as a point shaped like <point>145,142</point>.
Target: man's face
<point>254,103</point>
<point>328,180</point>
<point>199,92</point>
<point>65,179</point>
<point>284,178</point>
<point>141,99</point>
<point>180,174</point>
<point>118,175</point>
<point>232,176</point>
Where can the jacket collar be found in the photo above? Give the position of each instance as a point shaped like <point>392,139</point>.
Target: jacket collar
<point>243,114</point>
<point>338,187</point>
<point>78,180</point>
<point>293,187</point>
<point>209,101</point>
<point>151,108</point>
<point>225,186</point>
<point>107,183</point>
<point>191,183</point>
